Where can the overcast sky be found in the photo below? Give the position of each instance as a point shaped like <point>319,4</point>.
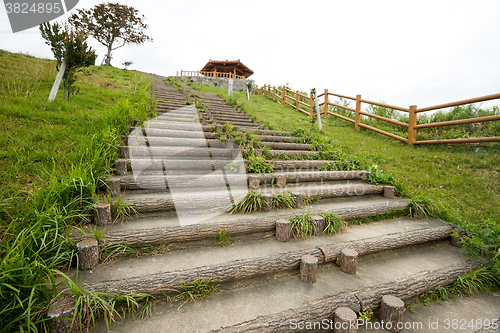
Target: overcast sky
<point>400,52</point>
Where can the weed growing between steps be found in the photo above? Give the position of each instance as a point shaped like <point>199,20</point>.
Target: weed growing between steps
<point>469,283</point>
<point>53,158</point>
<point>333,223</point>
<point>283,200</point>
<point>259,165</point>
<point>302,226</point>
<point>198,290</point>
<point>222,239</point>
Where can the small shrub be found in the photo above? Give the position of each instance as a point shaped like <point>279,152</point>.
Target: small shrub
<point>259,165</point>
<point>302,226</point>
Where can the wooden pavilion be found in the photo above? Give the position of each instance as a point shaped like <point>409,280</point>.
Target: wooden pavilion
<point>229,69</point>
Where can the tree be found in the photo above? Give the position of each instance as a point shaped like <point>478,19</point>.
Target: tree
<point>112,23</point>
<point>68,45</point>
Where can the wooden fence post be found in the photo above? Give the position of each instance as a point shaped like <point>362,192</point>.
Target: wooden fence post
<point>297,105</point>
<point>274,93</point>
<point>357,117</point>
<point>412,131</point>
<point>326,103</point>
<point>311,105</point>
<point>283,97</point>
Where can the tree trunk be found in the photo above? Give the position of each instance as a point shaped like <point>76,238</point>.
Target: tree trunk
<point>108,56</point>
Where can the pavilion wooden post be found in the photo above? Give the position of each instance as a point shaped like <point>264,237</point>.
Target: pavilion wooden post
<point>181,72</point>
<point>326,103</point>
<point>412,131</point>
<point>283,98</point>
<point>297,105</point>
<point>311,105</point>
<point>274,93</point>
<point>357,117</point>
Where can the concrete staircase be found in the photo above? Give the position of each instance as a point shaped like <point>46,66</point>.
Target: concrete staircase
<point>178,177</point>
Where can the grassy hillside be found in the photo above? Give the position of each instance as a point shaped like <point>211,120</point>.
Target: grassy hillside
<point>38,138</point>
<point>462,181</point>
<point>52,157</point>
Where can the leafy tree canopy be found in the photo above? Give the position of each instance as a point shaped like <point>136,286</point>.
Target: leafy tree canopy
<point>112,24</point>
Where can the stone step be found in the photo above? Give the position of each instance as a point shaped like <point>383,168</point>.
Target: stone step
<point>261,131</point>
<point>193,197</point>
<point>198,229</point>
<point>237,123</point>
<point>240,120</point>
<point>173,153</point>
<point>229,117</point>
<point>273,138</point>
<point>402,266</point>
<point>209,178</point>
<point>286,304</point>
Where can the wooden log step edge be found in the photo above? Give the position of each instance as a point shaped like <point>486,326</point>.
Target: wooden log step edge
<point>366,300</point>
<point>251,267</point>
<point>162,235</point>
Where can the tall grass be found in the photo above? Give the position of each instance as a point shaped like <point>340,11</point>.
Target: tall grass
<point>53,157</point>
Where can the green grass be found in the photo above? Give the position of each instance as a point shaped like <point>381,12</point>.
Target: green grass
<point>53,157</point>
<point>222,239</point>
<point>459,183</point>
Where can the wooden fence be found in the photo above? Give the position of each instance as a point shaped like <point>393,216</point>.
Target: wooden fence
<point>295,99</point>
<point>212,74</point>
<point>412,126</point>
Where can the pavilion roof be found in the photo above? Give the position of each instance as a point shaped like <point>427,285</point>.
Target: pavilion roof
<point>226,66</point>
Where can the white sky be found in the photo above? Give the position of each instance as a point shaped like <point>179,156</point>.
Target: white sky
<point>400,52</point>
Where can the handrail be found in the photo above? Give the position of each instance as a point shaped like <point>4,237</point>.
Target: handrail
<point>465,101</point>
<point>294,99</point>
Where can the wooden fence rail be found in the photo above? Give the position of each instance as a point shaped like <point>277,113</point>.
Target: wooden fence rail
<point>212,74</point>
<point>412,110</point>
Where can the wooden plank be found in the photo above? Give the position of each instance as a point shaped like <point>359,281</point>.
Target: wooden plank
<point>394,136</point>
<point>343,96</point>
<point>464,140</point>
<point>465,101</point>
<point>461,121</point>
<point>341,117</point>
<point>342,107</point>
<point>392,121</point>
<point>385,105</point>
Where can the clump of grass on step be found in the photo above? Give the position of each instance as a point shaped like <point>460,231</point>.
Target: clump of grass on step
<point>222,239</point>
<point>195,291</point>
<point>92,305</point>
<point>259,165</point>
<point>250,202</point>
<point>302,226</point>
<point>120,210</point>
<point>307,199</point>
<point>378,177</point>
<point>472,282</point>
<point>283,200</point>
<point>333,223</point>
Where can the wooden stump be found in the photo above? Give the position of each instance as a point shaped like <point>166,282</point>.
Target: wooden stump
<point>348,260</point>
<point>103,213</point>
<point>281,181</point>
<point>299,199</point>
<point>121,167</point>
<point>345,321</point>
<point>391,313</point>
<point>114,187</point>
<point>253,182</point>
<point>60,315</point>
<point>319,224</point>
<point>308,268</point>
<point>283,230</point>
<point>267,201</point>
<point>88,254</point>
<point>389,192</point>
<point>258,152</point>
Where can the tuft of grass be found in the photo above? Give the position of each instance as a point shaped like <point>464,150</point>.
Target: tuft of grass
<point>484,278</point>
<point>302,226</point>
<point>198,290</point>
<point>250,202</point>
<point>283,200</point>
<point>259,165</point>
<point>378,177</point>
<point>333,223</point>
<point>222,239</point>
